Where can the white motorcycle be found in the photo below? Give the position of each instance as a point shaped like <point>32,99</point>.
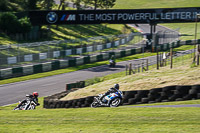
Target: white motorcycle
<point>112,63</point>
<point>27,104</point>
<point>112,100</point>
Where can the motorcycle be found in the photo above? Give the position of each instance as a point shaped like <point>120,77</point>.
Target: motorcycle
<point>112,100</point>
<point>28,104</point>
<point>112,63</point>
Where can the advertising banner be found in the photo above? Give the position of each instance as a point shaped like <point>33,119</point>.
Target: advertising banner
<point>143,16</point>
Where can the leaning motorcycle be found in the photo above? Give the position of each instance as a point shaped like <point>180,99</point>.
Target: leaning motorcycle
<point>112,63</point>
<point>112,100</point>
<point>29,104</point>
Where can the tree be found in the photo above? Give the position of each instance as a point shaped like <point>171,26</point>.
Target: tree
<point>47,4</point>
<point>107,3</point>
<point>77,3</point>
<point>11,25</point>
<point>3,5</point>
<point>62,3</point>
<point>32,4</point>
<point>103,4</point>
<point>25,25</point>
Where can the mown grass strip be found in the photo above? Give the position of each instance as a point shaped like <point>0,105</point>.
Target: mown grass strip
<point>86,120</point>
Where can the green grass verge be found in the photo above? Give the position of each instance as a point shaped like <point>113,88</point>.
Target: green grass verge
<point>187,30</point>
<point>146,4</point>
<point>184,47</point>
<point>100,120</point>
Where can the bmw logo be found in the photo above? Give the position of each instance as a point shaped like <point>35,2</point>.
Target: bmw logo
<point>52,17</point>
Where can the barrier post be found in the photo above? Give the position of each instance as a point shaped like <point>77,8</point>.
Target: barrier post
<point>171,54</point>
<point>130,67</point>
<point>157,60</point>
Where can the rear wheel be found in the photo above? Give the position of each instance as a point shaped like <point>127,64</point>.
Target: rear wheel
<point>115,102</point>
<point>16,108</point>
<point>20,107</point>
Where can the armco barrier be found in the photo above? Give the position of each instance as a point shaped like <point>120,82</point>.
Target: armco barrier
<point>165,94</point>
<point>71,62</point>
<point>76,50</point>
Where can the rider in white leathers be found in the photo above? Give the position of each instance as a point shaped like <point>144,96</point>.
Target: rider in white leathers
<point>111,90</point>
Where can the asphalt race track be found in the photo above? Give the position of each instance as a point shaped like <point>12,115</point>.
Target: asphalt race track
<point>12,93</point>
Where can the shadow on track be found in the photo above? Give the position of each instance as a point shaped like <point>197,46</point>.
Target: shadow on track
<point>105,68</point>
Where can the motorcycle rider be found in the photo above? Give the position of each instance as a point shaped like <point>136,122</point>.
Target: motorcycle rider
<point>111,90</point>
<point>112,58</point>
<point>112,61</point>
<point>33,97</point>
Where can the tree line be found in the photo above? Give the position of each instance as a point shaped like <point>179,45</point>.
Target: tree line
<point>11,24</point>
<point>23,5</point>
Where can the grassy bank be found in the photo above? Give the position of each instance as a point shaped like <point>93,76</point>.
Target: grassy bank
<point>183,73</point>
<point>146,4</point>
<point>73,32</point>
<point>187,30</point>
<point>87,120</point>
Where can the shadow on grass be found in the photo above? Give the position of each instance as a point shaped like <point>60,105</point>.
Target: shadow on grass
<point>84,31</point>
<point>186,35</point>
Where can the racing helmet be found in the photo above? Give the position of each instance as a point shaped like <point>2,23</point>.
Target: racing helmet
<point>116,86</point>
<point>35,94</point>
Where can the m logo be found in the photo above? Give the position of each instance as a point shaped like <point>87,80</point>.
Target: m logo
<point>69,17</point>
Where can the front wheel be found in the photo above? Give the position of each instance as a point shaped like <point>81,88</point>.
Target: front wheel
<point>94,104</point>
<point>115,102</point>
<point>32,107</point>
